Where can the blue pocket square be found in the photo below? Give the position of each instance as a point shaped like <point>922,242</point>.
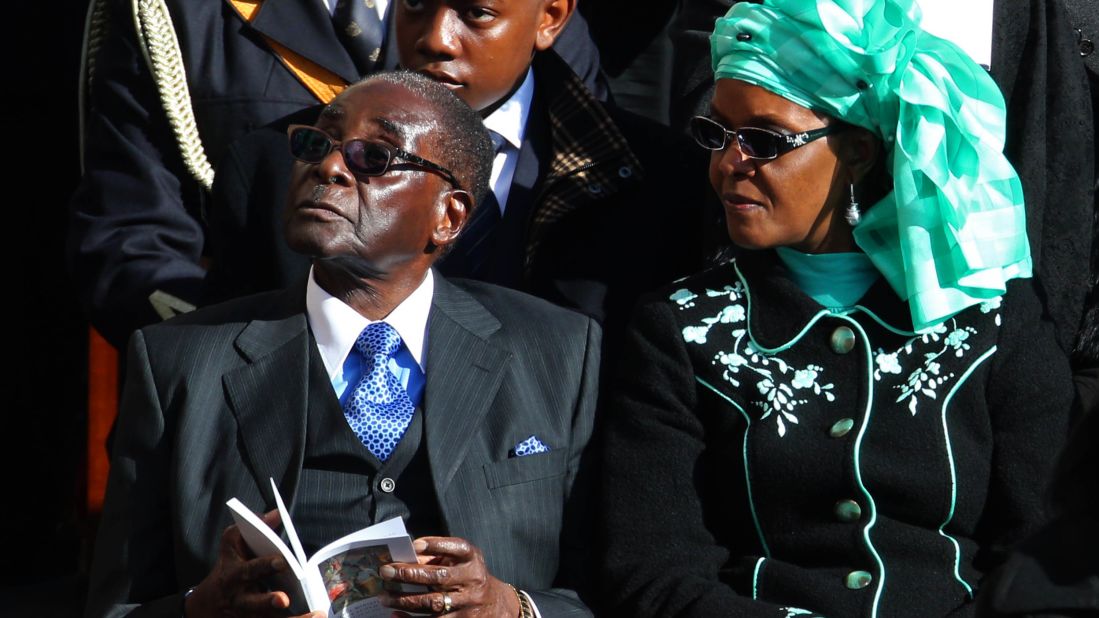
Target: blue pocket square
<point>530,446</point>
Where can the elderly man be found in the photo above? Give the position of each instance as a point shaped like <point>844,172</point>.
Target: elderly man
<point>286,385</point>
<point>589,206</point>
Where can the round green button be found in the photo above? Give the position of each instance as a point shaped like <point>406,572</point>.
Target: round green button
<point>857,580</point>
<point>843,340</point>
<point>848,511</point>
<point>841,427</point>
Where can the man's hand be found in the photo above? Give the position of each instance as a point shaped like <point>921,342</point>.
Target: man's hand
<point>235,587</point>
<point>452,568</point>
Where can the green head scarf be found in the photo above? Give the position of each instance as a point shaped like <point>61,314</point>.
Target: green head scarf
<point>953,230</point>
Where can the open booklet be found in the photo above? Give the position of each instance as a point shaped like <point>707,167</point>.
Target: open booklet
<point>342,577</point>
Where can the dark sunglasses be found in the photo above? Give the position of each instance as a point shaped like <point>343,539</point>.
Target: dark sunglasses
<point>311,145</point>
<point>753,142</point>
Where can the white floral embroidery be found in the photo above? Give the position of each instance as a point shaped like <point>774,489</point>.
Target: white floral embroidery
<point>732,292</point>
<point>887,363</point>
<point>924,381</point>
<point>795,611</point>
<point>992,304</point>
<point>695,334</point>
<point>782,387</point>
<point>683,298</point>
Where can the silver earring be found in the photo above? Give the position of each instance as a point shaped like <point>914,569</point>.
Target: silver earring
<point>852,214</point>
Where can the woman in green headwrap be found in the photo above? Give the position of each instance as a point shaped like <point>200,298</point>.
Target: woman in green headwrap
<point>855,417</point>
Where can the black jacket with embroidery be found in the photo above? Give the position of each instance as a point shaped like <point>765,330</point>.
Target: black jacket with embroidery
<point>767,457</point>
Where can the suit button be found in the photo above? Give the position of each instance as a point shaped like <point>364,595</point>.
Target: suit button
<point>843,340</point>
<point>387,485</point>
<point>841,427</point>
<point>625,171</point>
<point>857,580</point>
<point>595,188</point>
<point>848,511</point>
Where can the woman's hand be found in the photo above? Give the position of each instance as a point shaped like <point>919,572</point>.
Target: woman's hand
<point>453,569</point>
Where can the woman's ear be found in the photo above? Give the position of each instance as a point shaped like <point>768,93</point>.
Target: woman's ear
<point>453,213</point>
<point>860,150</point>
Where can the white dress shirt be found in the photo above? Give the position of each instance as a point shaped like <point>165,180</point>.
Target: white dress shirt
<point>510,122</point>
<point>336,326</point>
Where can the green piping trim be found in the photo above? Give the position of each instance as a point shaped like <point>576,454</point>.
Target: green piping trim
<point>858,473</point>
<point>884,324</point>
<point>748,293</point>
<point>953,473</point>
<point>755,578</point>
<point>747,476</point>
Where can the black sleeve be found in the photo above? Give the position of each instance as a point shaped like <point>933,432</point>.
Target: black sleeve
<point>661,559</point>
<point>134,224</point>
<point>132,571</point>
<point>1030,395</point>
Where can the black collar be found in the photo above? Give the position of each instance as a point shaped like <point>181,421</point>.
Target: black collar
<point>779,312</point>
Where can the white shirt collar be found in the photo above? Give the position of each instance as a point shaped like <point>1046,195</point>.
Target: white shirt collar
<point>336,325</point>
<point>510,119</point>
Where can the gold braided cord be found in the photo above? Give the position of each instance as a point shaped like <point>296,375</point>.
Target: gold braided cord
<point>162,53</point>
<point>96,28</point>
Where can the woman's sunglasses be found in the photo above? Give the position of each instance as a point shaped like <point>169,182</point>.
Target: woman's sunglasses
<point>311,145</point>
<point>753,142</point>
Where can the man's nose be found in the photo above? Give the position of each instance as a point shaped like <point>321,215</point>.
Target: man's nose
<point>332,169</point>
<point>439,38</point>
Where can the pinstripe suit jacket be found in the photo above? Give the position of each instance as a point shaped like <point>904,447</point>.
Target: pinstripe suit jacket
<point>217,401</point>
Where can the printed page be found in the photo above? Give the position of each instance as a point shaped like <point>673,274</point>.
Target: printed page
<point>352,580</point>
<point>349,567</point>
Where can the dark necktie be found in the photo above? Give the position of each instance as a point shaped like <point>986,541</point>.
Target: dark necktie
<point>360,30</point>
<point>379,409</point>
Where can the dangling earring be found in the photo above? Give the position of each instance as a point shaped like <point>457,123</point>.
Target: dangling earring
<point>852,214</point>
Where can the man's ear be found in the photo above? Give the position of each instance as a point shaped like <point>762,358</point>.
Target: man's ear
<point>555,14</point>
<point>454,212</point>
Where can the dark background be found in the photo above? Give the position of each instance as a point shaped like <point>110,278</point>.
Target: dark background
<point>43,530</point>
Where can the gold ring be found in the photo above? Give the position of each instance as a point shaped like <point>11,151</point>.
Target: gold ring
<point>448,603</point>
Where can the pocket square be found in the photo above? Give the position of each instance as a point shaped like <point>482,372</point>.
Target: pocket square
<point>530,446</point>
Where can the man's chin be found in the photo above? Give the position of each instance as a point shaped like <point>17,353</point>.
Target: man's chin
<point>349,266</point>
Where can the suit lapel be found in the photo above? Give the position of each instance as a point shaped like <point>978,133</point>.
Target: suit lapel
<point>305,27</point>
<point>270,396</point>
<point>464,371</point>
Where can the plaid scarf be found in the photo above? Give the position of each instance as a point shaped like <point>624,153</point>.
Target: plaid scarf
<point>590,161</point>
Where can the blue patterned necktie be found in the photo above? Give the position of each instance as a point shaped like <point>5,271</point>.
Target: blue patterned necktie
<point>379,409</point>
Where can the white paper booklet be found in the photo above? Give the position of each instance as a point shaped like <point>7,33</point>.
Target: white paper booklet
<point>342,577</point>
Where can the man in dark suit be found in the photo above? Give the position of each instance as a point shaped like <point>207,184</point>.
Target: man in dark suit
<point>481,437</point>
<point>158,122</point>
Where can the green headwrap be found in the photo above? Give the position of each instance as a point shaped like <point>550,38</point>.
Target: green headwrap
<point>953,230</point>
